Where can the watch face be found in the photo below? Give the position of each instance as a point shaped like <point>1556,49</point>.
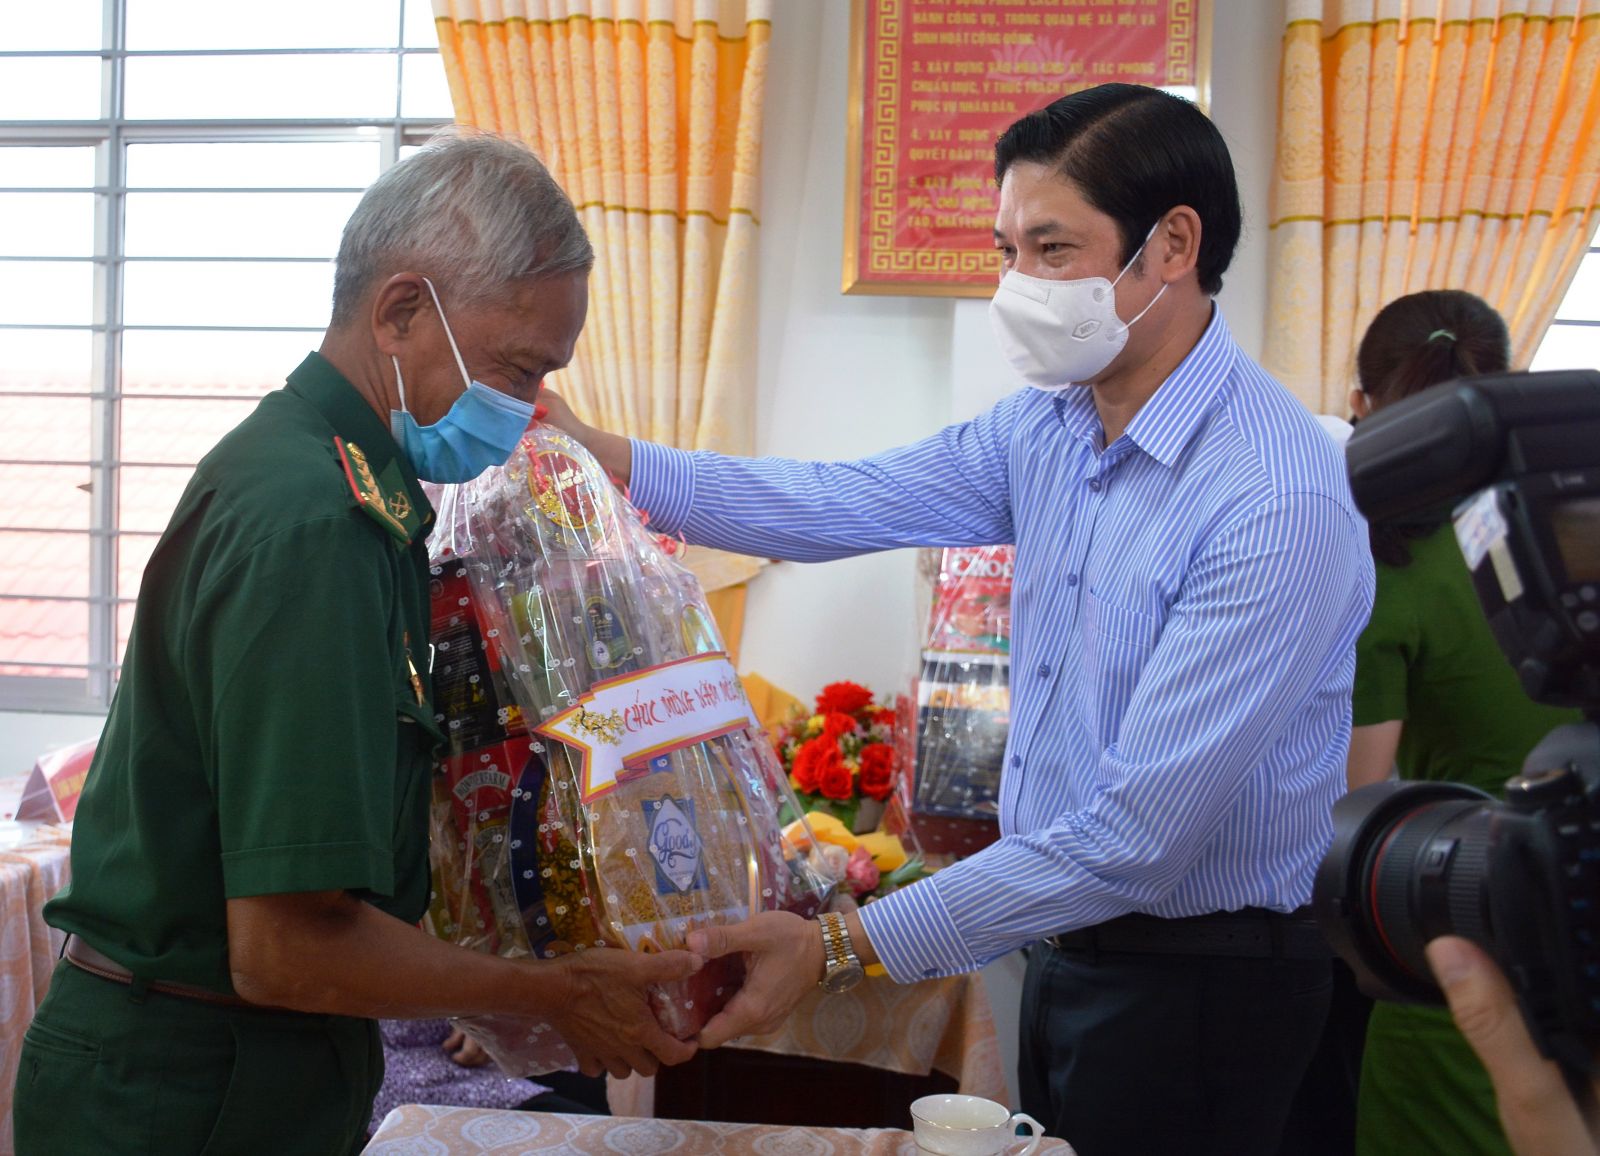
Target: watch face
<point>842,978</point>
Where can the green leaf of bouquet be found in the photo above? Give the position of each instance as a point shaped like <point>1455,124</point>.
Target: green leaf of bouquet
<point>908,872</point>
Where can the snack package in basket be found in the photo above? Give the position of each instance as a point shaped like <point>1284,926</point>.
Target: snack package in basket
<point>605,783</point>
<point>964,691</point>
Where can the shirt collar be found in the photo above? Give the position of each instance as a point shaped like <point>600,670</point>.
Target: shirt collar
<point>318,382</point>
<point>1077,414</point>
<point>1166,423</point>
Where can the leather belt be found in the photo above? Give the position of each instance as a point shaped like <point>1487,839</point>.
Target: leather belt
<point>81,955</point>
<point>1253,933</point>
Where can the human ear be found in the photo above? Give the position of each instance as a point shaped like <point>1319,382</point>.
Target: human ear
<point>395,307</point>
<point>1360,404</point>
<point>1174,247</point>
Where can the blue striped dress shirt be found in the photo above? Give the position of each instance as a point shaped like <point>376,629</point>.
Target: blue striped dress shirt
<point>1185,610</point>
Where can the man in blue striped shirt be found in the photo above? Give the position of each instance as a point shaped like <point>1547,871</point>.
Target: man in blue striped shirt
<point>1191,576</point>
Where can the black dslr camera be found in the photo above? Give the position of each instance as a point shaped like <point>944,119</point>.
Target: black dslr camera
<point>1517,458</point>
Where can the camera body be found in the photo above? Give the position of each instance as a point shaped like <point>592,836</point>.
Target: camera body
<point>1516,458</point>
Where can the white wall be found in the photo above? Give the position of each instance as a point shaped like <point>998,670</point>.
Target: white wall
<point>841,376</point>
<point>25,735</point>
<point>1246,41</point>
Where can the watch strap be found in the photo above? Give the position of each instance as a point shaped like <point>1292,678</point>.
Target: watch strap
<point>838,950</point>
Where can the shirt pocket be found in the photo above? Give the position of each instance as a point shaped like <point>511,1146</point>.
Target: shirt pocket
<point>1117,642</point>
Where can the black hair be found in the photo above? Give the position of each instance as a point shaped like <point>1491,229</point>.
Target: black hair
<point>1415,343</point>
<point>1134,153</point>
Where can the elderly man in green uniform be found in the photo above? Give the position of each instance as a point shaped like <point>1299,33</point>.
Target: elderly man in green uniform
<point>249,859</point>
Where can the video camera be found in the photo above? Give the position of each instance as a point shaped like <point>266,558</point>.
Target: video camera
<point>1515,460</point>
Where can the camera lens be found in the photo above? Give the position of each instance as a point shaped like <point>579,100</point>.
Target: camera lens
<point>1409,862</point>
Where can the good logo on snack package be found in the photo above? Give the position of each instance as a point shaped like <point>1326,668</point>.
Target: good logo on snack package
<point>674,845</point>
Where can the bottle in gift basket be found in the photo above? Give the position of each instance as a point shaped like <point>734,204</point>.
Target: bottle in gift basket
<point>963,699</point>
<point>644,803</point>
<point>614,626</point>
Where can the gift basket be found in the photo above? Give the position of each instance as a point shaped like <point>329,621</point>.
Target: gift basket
<point>964,691</point>
<point>605,782</point>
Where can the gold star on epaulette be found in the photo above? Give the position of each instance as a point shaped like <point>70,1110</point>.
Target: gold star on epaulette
<point>393,512</point>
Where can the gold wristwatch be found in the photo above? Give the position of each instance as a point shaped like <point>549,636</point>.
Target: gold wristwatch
<point>844,970</point>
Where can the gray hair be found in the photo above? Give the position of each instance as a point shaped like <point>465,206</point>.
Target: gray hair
<point>473,211</point>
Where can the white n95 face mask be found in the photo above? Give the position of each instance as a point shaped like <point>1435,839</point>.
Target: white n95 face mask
<point>1057,333</point>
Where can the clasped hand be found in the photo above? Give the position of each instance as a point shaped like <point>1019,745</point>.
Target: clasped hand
<point>605,1013</point>
<point>783,962</point>
<point>607,1019</point>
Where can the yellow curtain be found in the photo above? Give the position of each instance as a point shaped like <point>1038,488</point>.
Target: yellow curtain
<point>649,114</point>
<point>1427,144</point>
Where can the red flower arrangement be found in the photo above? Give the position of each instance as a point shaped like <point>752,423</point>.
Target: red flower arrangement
<point>842,754</point>
<point>841,763</point>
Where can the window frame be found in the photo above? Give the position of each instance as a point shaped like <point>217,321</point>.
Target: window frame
<point>111,136</point>
<point>1592,253</point>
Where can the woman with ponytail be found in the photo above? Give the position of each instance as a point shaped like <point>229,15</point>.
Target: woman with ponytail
<point>1415,342</point>
<point>1434,699</point>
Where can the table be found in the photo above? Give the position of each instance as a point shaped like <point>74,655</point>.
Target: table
<point>412,1129</point>
<point>941,1024</point>
<point>33,867</point>
<point>911,1028</point>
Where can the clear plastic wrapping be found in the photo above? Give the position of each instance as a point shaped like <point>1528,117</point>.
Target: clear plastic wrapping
<point>964,689</point>
<point>605,783</point>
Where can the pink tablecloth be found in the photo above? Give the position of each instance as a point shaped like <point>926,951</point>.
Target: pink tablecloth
<point>30,873</point>
<point>413,1129</point>
<point>912,1028</point>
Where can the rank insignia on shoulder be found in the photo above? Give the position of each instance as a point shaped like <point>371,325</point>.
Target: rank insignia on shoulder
<point>393,512</point>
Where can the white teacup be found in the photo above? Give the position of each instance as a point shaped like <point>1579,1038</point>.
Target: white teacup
<point>952,1125</point>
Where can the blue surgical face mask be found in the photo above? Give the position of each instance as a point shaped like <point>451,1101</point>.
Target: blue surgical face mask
<point>479,431</point>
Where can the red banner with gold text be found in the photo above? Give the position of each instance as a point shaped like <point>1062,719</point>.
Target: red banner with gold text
<point>934,82</point>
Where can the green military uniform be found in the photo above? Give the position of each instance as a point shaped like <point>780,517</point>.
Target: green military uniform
<point>1427,657</point>
<point>271,734</point>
